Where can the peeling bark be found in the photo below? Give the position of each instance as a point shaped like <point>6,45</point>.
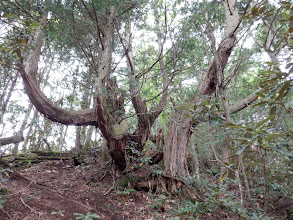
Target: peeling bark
<point>117,152</point>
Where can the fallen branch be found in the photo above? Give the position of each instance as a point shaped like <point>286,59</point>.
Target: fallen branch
<point>11,140</point>
<point>6,155</point>
<point>39,213</point>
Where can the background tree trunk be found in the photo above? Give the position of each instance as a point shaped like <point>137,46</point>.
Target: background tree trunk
<point>22,128</point>
<point>5,98</point>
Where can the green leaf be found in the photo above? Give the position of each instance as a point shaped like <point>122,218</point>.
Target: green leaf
<point>273,92</point>
<point>285,3</point>
<point>59,212</point>
<point>223,176</point>
<point>289,99</point>
<point>281,151</point>
<point>283,90</point>
<point>204,102</point>
<point>241,150</point>
<point>261,104</point>
<point>78,214</point>
<point>262,9</point>
<point>258,132</point>
<point>18,52</point>
<point>273,136</point>
<point>9,16</point>
<point>259,94</point>
<point>181,108</point>
<point>230,125</point>
<point>290,42</point>
<point>273,110</point>
<point>94,215</point>
<point>1,202</point>
<point>27,23</point>
<point>241,139</point>
<point>264,121</point>
<point>35,24</point>
<point>285,15</point>
<point>268,71</point>
<point>254,10</point>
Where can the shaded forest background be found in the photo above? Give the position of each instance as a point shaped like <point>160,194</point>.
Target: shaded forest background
<point>187,98</point>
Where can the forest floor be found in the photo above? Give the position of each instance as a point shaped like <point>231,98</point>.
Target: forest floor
<point>53,190</point>
<point>57,190</point>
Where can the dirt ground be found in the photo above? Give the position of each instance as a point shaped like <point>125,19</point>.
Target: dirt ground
<point>57,190</point>
<point>53,190</point>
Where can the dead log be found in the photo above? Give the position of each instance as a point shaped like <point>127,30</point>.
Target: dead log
<point>11,140</point>
<point>37,157</point>
<point>40,158</point>
<point>51,153</point>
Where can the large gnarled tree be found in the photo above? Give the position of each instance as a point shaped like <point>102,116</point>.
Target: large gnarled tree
<point>108,112</point>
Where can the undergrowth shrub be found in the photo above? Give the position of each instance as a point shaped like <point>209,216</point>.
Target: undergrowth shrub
<point>4,175</point>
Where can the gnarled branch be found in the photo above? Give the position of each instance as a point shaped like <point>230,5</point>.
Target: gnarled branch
<point>51,111</point>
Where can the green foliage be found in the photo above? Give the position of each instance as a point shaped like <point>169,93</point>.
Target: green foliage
<point>275,81</point>
<point>1,202</point>
<point>4,175</point>
<point>136,156</point>
<point>58,213</point>
<point>125,192</point>
<point>257,136</point>
<point>217,198</point>
<point>276,88</point>
<point>203,112</point>
<point>191,209</point>
<point>19,30</point>
<point>157,170</point>
<point>159,201</point>
<point>128,180</point>
<point>88,216</point>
